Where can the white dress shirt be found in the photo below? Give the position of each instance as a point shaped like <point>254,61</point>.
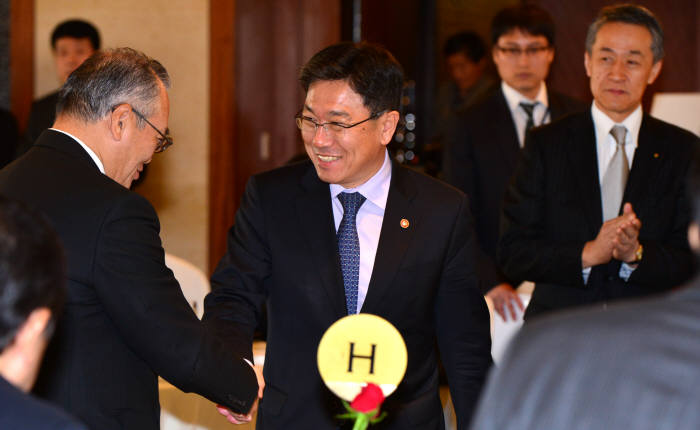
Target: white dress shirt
<point>87,149</point>
<point>540,114</point>
<point>605,147</point>
<point>369,220</point>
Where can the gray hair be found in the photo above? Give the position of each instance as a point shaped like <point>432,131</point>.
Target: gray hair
<point>110,78</point>
<point>629,14</point>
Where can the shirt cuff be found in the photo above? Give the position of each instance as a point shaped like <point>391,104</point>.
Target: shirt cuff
<point>626,271</point>
<point>586,273</point>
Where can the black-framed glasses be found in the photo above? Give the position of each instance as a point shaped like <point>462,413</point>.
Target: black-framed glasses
<point>308,125</point>
<point>164,141</point>
<point>516,51</point>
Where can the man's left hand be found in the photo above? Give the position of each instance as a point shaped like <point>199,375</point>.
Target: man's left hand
<point>626,239</point>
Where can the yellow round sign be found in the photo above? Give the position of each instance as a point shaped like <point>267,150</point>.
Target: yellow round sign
<point>359,349</point>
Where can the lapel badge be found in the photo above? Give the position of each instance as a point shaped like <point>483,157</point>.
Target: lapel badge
<point>404,223</point>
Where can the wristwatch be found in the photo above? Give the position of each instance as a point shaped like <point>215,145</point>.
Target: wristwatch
<point>638,255</point>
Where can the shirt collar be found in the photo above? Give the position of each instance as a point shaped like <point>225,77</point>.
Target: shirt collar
<point>376,189</point>
<point>603,123</point>
<point>87,149</point>
<point>513,97</point>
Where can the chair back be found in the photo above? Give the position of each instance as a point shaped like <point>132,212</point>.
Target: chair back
<point>194,284</point>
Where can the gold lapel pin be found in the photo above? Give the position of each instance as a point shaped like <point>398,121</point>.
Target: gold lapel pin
<point>404,223</point>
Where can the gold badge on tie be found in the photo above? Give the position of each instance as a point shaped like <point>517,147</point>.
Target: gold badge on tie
<point>404,223</point>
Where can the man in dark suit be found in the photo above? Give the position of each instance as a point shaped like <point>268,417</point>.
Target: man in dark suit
<point>32,292</point>
<point>406,255</point>
<point>631,366</point>
<point>72,42</point>
<point>10,137</point>
<point>126,320</point>
<point>565,225</point>
<point>484,142</point>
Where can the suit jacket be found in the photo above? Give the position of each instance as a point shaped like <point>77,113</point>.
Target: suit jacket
<point>19,410</point>
<point>282,249</point>
<point>125,320</point>
<point>632,366</point>
<point>10,137</point>
<point>553,208</point>
<point>483,151</point>
<point>41,116</point>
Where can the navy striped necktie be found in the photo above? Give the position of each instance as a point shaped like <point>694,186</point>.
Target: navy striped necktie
<point>349,247</point>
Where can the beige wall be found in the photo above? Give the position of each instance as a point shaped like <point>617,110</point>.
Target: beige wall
<point>176,32</point>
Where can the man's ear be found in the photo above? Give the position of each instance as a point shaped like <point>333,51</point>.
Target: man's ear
<point>118,120</point>
<point>33,327</point>
<point>388,123</point>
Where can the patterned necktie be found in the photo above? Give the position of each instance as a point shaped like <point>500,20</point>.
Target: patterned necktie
<point>349,247</point>
<point>529,108</point>
<point>615,178</point>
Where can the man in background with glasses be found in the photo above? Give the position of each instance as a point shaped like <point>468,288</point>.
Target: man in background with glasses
<point>350,231</point>
<point>597,210</point>
<point>483,144</point>
<point>126,320</point>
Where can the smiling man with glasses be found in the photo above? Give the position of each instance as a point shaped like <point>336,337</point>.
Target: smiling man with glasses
<point>350,231</point>
<point>126,320</point>
<point>484,143</point>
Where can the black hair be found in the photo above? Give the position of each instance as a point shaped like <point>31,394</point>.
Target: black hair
<point>32,268</point>
<point>370,70</point>
<point>78,29</point>
<point>628,14</point>
<point>468,43</point>
<point>528,18</point>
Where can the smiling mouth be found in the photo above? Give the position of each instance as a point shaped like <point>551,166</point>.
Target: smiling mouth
<point>328,158</point>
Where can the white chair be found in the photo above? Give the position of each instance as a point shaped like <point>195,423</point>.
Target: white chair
<point>680,109</point>
<point>194,284</point>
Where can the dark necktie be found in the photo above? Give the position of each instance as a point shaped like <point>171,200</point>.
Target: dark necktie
<point>529,108</point>
<point>615,178</point>
<point>349,247</point>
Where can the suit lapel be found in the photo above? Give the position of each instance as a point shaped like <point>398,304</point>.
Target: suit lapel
<point>647,160</point>
<point>583,160</point>
<point>315,213</point>
<point>394,239</point>
<point>505,134</point>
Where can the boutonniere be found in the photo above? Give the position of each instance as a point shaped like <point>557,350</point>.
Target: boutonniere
<point>364,409</point>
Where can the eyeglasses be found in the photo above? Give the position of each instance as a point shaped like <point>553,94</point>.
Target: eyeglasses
<point>164,141</point>
<point>308,126</point>
<point>516,52</point>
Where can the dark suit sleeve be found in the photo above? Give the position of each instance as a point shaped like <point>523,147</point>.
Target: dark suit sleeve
<point>667,260</point>
<point>233,308</point>
<point>462,321</point>
<point>524,251</point>
<point>145,302</point>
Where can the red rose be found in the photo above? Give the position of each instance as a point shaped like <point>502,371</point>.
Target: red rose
<point>369,399</point>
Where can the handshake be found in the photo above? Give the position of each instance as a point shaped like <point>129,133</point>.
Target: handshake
<point>618,238</point>
<point>235,418</point>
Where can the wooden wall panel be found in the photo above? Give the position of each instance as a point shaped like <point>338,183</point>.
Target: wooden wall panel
<point>257,49</point>
<point>21,59</point>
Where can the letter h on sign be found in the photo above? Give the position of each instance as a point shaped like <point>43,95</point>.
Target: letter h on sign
<point>366,357</point>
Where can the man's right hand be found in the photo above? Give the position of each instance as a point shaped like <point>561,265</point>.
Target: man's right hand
<point>503,296</point>
<point>600,250</point>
